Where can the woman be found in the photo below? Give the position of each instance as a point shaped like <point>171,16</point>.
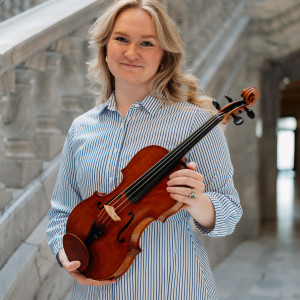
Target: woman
<point>146,100</point>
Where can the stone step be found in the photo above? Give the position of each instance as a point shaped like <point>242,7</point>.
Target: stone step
<point>27,208</point>
<point>32,272</point>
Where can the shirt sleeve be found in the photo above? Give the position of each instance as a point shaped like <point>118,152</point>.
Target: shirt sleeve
<point>213,161</point>
<point>65,197</point>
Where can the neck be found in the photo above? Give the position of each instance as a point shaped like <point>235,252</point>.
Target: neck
<point>126,96</point>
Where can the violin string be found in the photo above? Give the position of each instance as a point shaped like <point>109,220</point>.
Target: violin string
<point>156,169</point>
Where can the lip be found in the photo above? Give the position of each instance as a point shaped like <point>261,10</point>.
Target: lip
<point>130,66</point>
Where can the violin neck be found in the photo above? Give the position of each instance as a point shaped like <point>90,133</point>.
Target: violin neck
<point>150,178</point>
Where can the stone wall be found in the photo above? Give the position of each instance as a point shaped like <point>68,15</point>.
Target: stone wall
<point>274,55</point>
<point>230,45</point>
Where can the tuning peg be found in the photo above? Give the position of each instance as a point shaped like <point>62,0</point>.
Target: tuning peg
<point>228,98</point>
<point>216,104</point>
<point>250,113</point>
<point>237,120</point>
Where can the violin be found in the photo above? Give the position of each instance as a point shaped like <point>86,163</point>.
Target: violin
<point>103,231</point>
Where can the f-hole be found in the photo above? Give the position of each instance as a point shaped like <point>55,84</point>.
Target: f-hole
<point>126,225</point>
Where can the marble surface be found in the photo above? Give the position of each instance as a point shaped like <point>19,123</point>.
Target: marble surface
<point>269,267</point>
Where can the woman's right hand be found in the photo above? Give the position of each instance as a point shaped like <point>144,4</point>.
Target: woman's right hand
<point>72,266</point>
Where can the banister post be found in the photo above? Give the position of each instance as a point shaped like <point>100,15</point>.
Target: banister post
<point>48,140</point>
<point>5,194</point>
<point>19,165</point>
<point>71,84</point>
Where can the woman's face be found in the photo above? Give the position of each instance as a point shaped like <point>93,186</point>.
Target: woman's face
<point>133,52</point>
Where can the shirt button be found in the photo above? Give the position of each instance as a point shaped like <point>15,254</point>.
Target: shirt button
<point>115,150</point>
<point>110,179</point>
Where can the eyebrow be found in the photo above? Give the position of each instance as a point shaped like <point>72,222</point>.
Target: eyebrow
<point>143,36</point>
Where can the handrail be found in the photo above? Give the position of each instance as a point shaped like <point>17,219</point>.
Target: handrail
<point>37,28</point>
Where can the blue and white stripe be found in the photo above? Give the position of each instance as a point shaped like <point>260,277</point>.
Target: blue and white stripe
<point>100,143</point>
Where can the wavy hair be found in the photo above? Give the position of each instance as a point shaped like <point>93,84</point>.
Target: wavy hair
<point>170,83</point>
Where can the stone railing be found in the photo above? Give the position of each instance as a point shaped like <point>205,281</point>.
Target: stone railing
<point>10,8</point>
<point>42,89</point>
<point>42,67</point>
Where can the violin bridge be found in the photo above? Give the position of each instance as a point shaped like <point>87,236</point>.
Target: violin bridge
<point>112,213</point>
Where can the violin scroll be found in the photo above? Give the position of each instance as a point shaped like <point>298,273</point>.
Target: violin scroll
<point>235,108</point>
<point>250,95</point>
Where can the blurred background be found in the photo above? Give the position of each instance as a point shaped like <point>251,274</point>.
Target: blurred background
<point>230,45</point>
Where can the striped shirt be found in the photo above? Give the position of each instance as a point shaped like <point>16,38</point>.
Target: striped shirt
<point>100,143</point>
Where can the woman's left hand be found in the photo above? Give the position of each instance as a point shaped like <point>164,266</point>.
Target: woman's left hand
<point>187,186</point>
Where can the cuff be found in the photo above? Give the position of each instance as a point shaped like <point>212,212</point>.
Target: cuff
<point>225,220</point>
<point>58,260</point>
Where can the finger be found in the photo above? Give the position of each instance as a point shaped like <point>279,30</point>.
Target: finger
<point>68,265</point>
<point>184,191</point>
<point>184,199</point>
<point>186,182</point>
<point>186,173</point>
<point>192,165</point>
<point>72,266</point>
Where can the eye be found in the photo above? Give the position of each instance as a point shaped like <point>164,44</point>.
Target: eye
<point>121,39</point>
<point>147,44</point>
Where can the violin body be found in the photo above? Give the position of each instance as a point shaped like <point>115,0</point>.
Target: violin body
<point>112,254</point>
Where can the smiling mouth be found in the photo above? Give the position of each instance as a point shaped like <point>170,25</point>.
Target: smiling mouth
<point>131,66</point>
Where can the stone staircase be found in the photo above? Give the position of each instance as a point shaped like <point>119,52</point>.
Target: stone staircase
<point>28,270</point>
<point>35,115</point>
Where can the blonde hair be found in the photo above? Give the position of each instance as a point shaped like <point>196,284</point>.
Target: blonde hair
<point>170,83</point>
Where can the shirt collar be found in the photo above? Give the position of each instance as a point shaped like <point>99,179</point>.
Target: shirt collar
<point>110,104</point>
<point>149,103</point>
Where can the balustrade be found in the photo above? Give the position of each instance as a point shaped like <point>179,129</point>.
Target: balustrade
<point>46,105</point>
<point>42,85</point>
<point>19,165</point>
<point>41,89</point>
<point>5,195</point>
<point>70,83</point>
<point>10,8</point>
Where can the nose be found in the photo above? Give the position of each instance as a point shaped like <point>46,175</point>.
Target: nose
<point>132,51</point>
